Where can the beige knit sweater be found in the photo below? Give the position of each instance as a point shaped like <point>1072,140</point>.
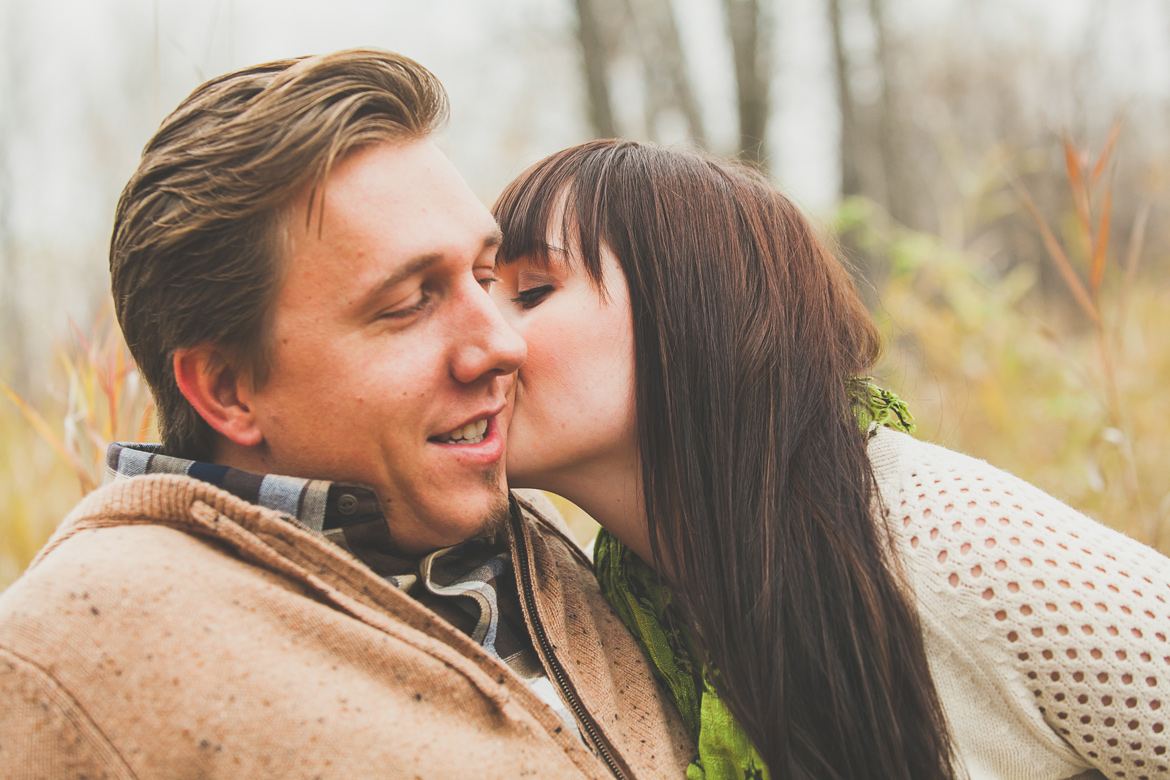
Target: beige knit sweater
<point>1046,631</point>
<point>171,630</point>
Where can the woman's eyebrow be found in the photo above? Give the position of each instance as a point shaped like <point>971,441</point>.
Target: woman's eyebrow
<point>532,276</point>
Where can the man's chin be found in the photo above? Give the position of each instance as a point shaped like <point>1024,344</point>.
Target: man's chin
<point>476,509</point>
<point>496,518</point>
<point>489,522</point>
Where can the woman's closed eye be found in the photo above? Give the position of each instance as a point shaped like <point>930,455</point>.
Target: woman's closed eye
<point>532,297</point>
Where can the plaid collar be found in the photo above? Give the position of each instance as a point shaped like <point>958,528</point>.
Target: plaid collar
<point>314,503</point>
<point>467,576</point>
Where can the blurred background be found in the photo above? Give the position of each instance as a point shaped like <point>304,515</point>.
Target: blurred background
<point>994,171</point>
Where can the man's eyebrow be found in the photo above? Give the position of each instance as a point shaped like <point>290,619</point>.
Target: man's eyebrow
<point>401,274</point>
<point>418,265</point>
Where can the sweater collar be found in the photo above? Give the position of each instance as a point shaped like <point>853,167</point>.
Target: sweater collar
<point>316,504</point>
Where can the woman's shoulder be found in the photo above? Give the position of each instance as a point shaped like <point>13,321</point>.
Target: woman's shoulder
<point>904,464</point>
<point>949,495</point>
<point>1058,620</point>
<point>977,524</point>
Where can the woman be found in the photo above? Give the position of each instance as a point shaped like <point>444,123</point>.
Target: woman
<point>822,595</point>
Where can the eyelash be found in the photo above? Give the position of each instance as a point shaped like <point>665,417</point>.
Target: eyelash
<point>532,296</point>
<point>424,299</point>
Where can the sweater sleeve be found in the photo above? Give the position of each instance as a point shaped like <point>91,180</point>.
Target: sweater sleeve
<point>44,735</point>
<point>1069,618</point>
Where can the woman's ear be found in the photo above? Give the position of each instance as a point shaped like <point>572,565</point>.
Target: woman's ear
<point>210,381</point>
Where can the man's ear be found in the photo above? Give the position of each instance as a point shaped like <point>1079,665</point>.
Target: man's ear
<point>220,392</point>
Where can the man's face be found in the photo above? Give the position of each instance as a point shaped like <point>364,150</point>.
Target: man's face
<point>389,357</point>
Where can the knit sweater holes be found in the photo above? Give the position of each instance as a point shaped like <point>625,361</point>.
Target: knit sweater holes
<point>1075,675</point>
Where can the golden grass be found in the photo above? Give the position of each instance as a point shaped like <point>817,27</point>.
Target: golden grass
<point>52,448</point>
<point>1000,385</point>
<point>36,490</point>
<point>1070,397</point>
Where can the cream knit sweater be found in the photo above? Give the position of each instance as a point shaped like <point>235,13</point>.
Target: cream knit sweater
<point>1045,631</point>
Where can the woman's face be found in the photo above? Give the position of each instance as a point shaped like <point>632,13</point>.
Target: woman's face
<point>575,397</point>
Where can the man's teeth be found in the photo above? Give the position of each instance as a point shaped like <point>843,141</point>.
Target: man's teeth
<point>472,433</point>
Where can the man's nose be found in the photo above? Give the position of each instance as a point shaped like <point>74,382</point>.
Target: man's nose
<point>488,344</point>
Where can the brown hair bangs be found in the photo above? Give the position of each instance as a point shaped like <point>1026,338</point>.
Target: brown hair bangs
<point>571,185</point>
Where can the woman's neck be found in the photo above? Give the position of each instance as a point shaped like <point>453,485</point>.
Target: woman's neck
<point>610,491</point>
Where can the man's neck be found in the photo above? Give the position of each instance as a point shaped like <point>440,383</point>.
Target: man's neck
<point>255,460</point>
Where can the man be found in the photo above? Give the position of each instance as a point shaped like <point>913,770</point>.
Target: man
<point>320,572</point>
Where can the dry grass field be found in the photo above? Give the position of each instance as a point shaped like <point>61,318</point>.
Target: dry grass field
<point>992,372</point>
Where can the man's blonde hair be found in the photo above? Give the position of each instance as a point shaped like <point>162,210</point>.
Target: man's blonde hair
<point>195,256</point>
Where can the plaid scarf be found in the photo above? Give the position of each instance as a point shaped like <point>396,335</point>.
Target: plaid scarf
<point>312,503</point>
<point>471,585</point>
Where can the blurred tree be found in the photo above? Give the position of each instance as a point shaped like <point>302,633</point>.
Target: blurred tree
<point>870,144</point>
<point>666,66</point>
<point>647,32</point>
<point>748,24</point>
<point>846,104</point>
<point>886,131</point>
<point>936,121</point>
<point>596,54</point>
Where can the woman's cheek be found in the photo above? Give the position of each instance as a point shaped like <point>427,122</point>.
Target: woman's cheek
<point>557,366</point>
<point>563,367</point>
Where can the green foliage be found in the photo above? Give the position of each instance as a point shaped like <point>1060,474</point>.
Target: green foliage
<point>992,367</point>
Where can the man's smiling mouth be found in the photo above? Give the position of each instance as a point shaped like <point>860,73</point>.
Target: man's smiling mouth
<point>471,433</point>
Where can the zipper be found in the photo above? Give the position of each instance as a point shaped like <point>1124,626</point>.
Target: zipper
<point>528,595</point>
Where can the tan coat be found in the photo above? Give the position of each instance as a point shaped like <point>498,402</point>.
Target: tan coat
<point>171,630</point>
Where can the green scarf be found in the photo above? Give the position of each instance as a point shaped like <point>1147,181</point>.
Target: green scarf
<point>642,602</point>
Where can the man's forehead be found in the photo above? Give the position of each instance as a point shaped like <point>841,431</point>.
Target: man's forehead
<point>401,195</point>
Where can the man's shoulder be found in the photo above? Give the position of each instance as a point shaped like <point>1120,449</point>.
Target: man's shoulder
<point>537,505</point>
<point>539,509</point>
<point>87,561</point>
<point>124,545</point>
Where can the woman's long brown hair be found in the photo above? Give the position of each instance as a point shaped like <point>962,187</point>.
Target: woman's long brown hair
<point>759,495</point>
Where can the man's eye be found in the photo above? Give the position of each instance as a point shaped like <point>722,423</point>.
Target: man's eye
<point>532,297</point>
<point>405,313</point>
<point>487,282</point>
